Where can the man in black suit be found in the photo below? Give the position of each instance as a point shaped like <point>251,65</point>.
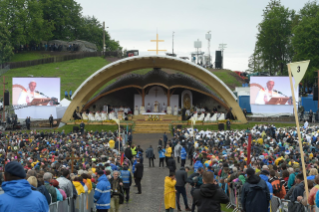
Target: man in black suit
<point>129,138</point>
<point>165,138</point>
<point>128,152</point>
<point>138,175</point>
<point>51,120</point>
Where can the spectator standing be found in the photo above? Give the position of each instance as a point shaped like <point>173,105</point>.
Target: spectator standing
<point>129,138</point>
<point>34,186</point>
<point>66,94</point>
<point>128,152</point>
<point>183,156</point>
<point>177,151</point>
<point>169,192</point>
<point>117,191</point>
<point>127,182</point>
<point>292,176</point>
<point>161,155</point>
<point>171,164</point>
<point>65,184</point>
<point>82,125</point>
<point>138,175</point>
<point>255,193</point>
<point>102,196</point>
<point>298,191</point>
<point>18,195</point>
<point>150,155</point>
<point>47,177</point>
<point>51,120</point>
<point>165,138</point>
<point>70,94</point>
<point>209,196</point>
<point>181,180</point>
<point>168,153</point>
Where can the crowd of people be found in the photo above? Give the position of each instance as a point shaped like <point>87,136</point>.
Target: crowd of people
<point>219,160</point>
<point>212,162</point>
<point>37,166</point>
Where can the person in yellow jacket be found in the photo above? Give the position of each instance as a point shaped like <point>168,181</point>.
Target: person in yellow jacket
<point>168,153</point>
<point>78,186</point>
<point>170,193</point>
<point>112,144</point>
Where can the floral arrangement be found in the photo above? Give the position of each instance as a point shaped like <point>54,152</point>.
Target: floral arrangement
<point>153,118</point>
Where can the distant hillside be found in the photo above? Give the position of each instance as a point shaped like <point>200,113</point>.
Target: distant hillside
<point>74,72</point>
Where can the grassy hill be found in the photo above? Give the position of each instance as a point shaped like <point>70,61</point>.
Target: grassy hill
<point>74,72</point>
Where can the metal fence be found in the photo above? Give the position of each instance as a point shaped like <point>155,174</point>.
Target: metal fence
<point>62,58</point>
<point>276,204</point>
<point>83,203</point>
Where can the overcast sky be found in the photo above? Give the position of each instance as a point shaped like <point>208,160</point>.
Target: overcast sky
<point>234,22</point>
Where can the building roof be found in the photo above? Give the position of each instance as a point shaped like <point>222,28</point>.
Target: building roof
<point>160,77</point>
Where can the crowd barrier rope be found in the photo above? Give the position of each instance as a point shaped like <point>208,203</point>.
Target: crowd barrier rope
<point>83,203</point>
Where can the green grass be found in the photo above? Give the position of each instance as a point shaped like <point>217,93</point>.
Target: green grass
<point>224,209</point>
<point>69,128</point>
<point>72,72</point>
<point>240,126</point>
<point>28,56</point>
<point>227,77</point>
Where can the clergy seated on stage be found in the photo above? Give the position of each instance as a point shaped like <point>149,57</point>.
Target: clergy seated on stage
<point>98,116</point>
<point>175,110</point>
<point>169,110</point>
<point>85,116</point>
<point>112,115</point>
<point>155,109</point>
<point>103,116</point>
<point>76,115</point>
<point>148,108</point>
<point>121,108</point>
<point>142,110</point>
<point>91,117</point>
<point>201,117</point>
<point>136,110</point>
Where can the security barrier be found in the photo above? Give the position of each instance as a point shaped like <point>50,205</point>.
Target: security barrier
<point>83,203</point>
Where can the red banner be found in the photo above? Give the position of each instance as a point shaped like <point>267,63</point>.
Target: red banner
<point>248,149</point>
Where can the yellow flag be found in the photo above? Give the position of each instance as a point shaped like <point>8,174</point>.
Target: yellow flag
<point>298,70</point>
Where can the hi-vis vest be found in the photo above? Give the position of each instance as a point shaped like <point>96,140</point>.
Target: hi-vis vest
<point>133,151</point>
<point>125,175</point>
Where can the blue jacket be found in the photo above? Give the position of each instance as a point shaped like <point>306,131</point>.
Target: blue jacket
<point>265,178</point>
<point>126,177</point>
<point>18,197</point>
<point>197,165</point>
<point>183,153</point>
<point>161,153</point>
<point>102,195</point>
<point>133,166</point>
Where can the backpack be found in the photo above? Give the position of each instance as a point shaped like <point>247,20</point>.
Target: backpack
<point>277,187</point>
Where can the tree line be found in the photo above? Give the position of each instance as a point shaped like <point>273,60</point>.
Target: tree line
<point>33,21</point>
<point>285,36</point>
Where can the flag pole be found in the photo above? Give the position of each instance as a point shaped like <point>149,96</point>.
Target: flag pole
<point>298,131</point>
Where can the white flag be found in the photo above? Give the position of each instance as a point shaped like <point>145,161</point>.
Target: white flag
<point>298,70</point>
<point>116,120</point>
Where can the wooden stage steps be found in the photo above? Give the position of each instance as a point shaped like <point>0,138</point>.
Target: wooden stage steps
<point>161,126</point>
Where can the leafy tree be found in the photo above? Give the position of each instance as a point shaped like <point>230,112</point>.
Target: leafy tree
<point>5,45</point>
<point>305,39</point>
<point>66,17</point>
<point>274,37</point>
<point>255,63</point>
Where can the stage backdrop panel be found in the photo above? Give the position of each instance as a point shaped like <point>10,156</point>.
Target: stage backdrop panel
<point>36,112</point>
<point>24,90</point>
<point>264,89</point>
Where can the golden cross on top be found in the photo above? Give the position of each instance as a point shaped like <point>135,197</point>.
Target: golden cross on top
<point>157,50</point>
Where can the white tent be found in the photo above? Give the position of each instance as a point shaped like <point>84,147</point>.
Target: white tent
<point>65,102</point>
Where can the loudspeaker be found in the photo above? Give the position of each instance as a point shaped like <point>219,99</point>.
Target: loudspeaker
<point>218,59</point>
<point>6,98</point>
<point>315,93</point>
<point>221,127</point>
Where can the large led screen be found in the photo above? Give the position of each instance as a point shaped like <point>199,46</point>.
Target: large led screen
<point>271,95</point>
<point>38,91</point>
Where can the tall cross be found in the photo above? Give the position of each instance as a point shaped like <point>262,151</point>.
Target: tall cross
<point>72,160</point>
<point>157,50</point>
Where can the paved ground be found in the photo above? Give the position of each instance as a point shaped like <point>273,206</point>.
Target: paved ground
<point>151,199</point>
